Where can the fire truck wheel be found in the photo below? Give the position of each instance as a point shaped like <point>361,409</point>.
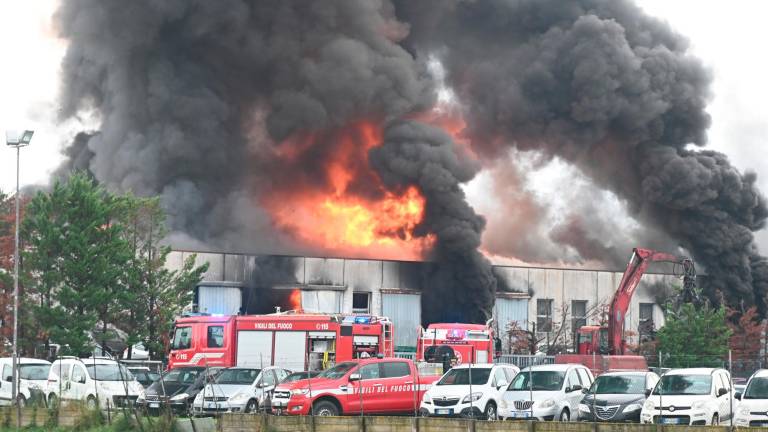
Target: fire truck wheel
<point>326,408</point>
<point>490,411</point>
<point>251,406</point>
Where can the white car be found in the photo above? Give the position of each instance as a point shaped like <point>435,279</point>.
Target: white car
<point>475,394</point>
<point>98,382</point>
<point>696,396</point>
<point>237,389</point>
<point>33,376</point>
<point>554,395</point>
<point>753,406</point>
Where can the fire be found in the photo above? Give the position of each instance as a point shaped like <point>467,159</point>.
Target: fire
<point>295,300</point>
<point>346,209</point>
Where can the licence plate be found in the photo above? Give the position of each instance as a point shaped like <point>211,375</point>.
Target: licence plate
<point>154,405</point>
<point>444,411</point>
<point>672,420</point>
<point>521,414</point>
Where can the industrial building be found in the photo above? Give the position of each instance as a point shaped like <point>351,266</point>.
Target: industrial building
<point>533,296</point>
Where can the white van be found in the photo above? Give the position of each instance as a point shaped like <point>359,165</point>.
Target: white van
<point>695,396</point>
<point>95,381</point>
<point>475,394</point>
<point>33,376</point>
<point>554,395</point>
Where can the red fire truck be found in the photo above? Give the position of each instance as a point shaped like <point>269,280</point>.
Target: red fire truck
<point>295,341</point>
<point>474,343</point>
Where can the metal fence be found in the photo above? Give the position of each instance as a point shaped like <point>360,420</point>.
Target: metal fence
<point>519,360</point>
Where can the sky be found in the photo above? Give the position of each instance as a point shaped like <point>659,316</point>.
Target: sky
<point>729,39</point>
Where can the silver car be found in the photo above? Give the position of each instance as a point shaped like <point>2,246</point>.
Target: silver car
<point>237,389</point>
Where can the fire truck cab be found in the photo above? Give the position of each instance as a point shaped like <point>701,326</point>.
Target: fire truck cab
<point>294,341</point>
<point>473,343</point>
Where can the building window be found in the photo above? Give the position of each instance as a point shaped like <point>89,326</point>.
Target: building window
<point>361,302</point>
<point>578,314</point>
<point>544,315</point>
<point>646,327</point>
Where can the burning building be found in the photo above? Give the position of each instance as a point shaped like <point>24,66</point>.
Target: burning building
<point>350,127</point>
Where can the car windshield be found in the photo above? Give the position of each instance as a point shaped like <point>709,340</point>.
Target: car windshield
<point>181,376</point>
<point>34,371</point>
<point>108,372</point>
<point>462,376</point>
<point>337,371</point>
<point>238,376</point>
<point>684,385</point>
<point>542,381</point>
<point>757,389</point>
<point>616,384</point>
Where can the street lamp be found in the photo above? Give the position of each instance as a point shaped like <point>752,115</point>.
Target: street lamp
<point>17,141</point>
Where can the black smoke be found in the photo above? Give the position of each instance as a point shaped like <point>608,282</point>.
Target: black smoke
<point>197,99</point>
<point>616,93</point>
<point>462,287</point>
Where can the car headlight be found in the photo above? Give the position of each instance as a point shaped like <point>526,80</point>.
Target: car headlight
<point>105,387</point>
<point>698,405</point>
<point>179,397</point>
<point>649,405</point>
<point>301,391</point>
<point>632,407</point>
<point>549,403</point>
<point>584,408</point>
<point>503,404</point>
<point>472,397</point>
<point>427,398</point>
<point>744,411</point>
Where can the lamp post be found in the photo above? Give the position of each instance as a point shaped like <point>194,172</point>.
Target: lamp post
<point>18,142</point>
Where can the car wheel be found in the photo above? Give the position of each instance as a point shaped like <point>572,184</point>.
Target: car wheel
<point>490,412</point>
<point>53,401</point>
<point>565,416</point>
<point>252,406</point>
<point>21,400</point>
<point>715,420</point>
<point>90,403</point>
<point>326,409</point>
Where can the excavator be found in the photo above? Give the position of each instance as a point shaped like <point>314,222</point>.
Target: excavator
<point>603,348</point>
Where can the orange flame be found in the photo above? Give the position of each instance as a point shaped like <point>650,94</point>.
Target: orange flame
<point>349,211</point>
<point>295,300</point>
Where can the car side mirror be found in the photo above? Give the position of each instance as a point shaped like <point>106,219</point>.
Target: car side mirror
<point>354,377</point>
<point>575,388</point>
<point>738,395</point>
<point>648,392</point>
<point>585,390</point>
<point>501,384</point>
<point>721,392</point>
<point>9,378</point>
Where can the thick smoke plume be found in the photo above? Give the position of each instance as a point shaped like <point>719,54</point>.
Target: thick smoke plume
<point>206,104</point>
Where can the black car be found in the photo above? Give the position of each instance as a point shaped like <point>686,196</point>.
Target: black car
<point>295,376</point>
<point>176,389</point>
<point>617,397</point>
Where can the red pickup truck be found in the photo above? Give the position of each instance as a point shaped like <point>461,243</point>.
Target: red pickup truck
<point>389,386</point>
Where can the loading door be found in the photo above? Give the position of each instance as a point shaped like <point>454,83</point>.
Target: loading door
<point>290,348</point>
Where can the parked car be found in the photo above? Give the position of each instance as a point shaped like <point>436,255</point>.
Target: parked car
<point>33,377</point>
<point>176,388</point>
<point>753,405</point>
<point>143,375</point>
<point>546,392</point>
<point>696,396</point>
<point>237,389</point>
<point>98,382</point>
<point>617,397</point>
<point>468,391</point>
<point>295,376</point>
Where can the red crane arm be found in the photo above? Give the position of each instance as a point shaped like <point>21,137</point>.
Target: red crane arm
<point>638,264</point>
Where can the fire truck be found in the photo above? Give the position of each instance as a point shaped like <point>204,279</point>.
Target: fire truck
<point>473,343</point>
<point>295,341</point>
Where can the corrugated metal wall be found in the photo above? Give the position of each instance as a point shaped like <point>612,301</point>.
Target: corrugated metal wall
<point>509,310</point>
<point>219,300</point>
<point>405,312</point>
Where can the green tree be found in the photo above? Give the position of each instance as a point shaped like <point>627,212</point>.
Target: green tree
<point>156,294</point>
<point>694,337</point>
<point>76,256</point>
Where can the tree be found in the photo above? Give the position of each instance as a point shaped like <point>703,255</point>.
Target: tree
<point>76,256</point>
<point>156,294</point>
<point>694,337</point>
<point>7,218</point>
<point>747,334</point>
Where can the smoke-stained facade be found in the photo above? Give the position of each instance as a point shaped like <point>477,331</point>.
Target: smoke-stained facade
<point>266,125</point>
